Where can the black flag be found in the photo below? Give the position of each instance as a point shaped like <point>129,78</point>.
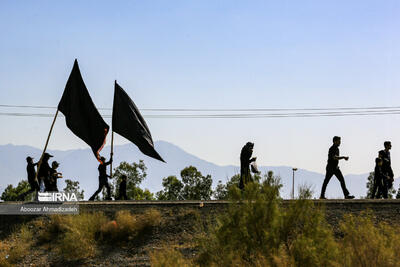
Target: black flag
<point>81,115</point>
<point>128,122</point>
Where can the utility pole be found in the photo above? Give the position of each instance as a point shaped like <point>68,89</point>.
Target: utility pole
<point>293,169</point>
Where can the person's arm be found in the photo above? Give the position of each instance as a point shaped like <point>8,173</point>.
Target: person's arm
<point>339,158</point>
<point>253,159</point>
<point>332,155</point>
<point>391,175</point>
<point>109,162</point>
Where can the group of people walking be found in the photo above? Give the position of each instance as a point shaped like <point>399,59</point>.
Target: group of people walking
<point>46,179</point>
<point>383,175</point>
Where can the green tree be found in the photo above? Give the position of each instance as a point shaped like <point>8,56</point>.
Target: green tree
<point>11,193</point>
<point>370,184</point>
<point>398,193</point>
<point>135,173</point>
<point>172,189</point>
<point>391,193</point>
<point>196,186</point>
<point>234,181</point>
<point>73,187</point>
<point>221,190</point>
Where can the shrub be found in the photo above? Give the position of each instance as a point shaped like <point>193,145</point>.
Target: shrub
<point>248,229</point>
<point>307,237</point>
<point>257,231</point>
<point>77,236</point>
<point>51,229</point>
<point>366,244</point>
<point>128,226</point>
<point>78,241</point>
<point>74,234</point>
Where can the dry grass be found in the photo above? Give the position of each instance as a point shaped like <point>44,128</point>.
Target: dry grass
<point>168,257</point>
<point>79,239</point>
<point>17,247</point>
<point>127,226</point>
<point>4,254</point>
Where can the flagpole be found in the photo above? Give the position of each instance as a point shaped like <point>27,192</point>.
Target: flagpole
<point>112,151</point>
<point>112,138</point>
<point>45,147</point>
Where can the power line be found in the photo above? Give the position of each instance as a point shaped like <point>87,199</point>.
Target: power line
<point>220,109</point>
<point>183,113</point>
<point>235,116</point>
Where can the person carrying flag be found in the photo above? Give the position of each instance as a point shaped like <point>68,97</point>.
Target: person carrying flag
<point>44,172</point>
<point>103,179</point>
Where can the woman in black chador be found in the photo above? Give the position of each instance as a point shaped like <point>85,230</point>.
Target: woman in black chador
<point>245,160</point>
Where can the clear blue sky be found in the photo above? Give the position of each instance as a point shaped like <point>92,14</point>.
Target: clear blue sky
<point>212,54</point>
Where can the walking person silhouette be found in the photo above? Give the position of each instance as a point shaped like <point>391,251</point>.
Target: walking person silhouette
<point>332,168</point>
<point>103,179</point>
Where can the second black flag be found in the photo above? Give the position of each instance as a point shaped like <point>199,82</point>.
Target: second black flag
<point>128,122</point>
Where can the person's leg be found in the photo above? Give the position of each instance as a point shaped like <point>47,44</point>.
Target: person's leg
<point>22,196</point>
<point>375,187</point>
<point>36,188</point>
<point>328,177</point>
<point>47,185</point>
<point>381,190</point>
<point>385,188</point>
<point>41,185</point>
<point>97,192</point>
<point>340,177</point>
<point>35,185</point>
<point>108,191</point>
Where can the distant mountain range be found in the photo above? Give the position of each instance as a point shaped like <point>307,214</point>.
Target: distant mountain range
<point>80,165</point>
